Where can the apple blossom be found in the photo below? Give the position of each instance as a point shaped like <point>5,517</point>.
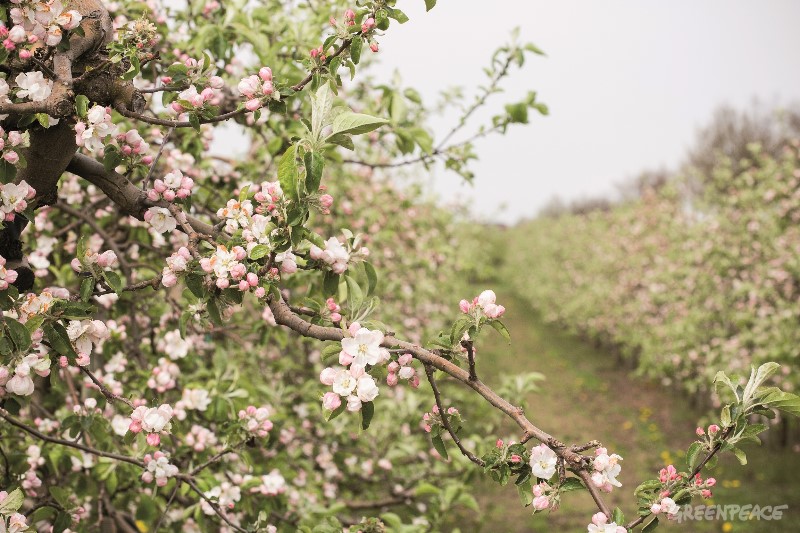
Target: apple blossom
<point>543,461</point>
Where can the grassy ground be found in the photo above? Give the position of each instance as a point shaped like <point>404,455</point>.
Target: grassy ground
<point>587,396</point>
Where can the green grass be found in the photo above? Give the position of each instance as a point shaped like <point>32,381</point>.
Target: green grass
<point>587,395</point>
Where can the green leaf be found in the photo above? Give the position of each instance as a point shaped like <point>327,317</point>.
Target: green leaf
<point>336,412</point>
<point>784,401</point>
<point>571,484</point>
<point>429,4</point>
<point>525,492</point>
<point>288,173</point>
<point>438,445</point>
<point>398,15</point>
<point>722,379</point>
<point>259,251</point>
<point>59,339</point>
<point>194,120</point>
<point>367,412</point>
<point>61,496</point>
<point>502,329</point>
<point>517,113</point>
<point>650,525</point>
<point>81,105</point>
<point>12,502</point>
<point>617,516</point>
<point>355,295</point>
<point>315,164</point>
<point>330,351</point>
<point>321,104</point>
<point>355,49</point>
<point>87,288</point>
<point>758,377</point>
<point>341,140</point>
<point>740,455</point>
<point>372,277</point>
<point>330,283</point>
<point>114,281</point>
<point>19,335</point>
<point>355,124</point>
<point>693,453</point>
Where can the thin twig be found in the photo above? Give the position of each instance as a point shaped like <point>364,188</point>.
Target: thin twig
<point>446,423</point>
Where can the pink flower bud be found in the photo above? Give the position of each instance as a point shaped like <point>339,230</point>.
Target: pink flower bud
<point>326,201</point>
<point>260,292</point>
<point>331,401</point>
<point>405,359</point>
<point>216,82</point>
<point>713,429</point>
<point>147,160</point>
<point>253,105</point>
<point>710,482</point>
<point>153,439</point>
<point>265,73</point>
<point>336,317</point>
<point>700,432</point>
<point>391,379</point>
<point>464,306</point>
<point>499,443</point>
<point>223,283</point>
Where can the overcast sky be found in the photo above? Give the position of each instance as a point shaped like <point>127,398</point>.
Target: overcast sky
<point>627,82</point>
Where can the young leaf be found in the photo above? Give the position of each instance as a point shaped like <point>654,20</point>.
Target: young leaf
<point>438,444</point>
<point>372,277</point>
<point>502,329</point>
<point>355,124</point>
<point>367,411</point>
<point>315,163</point>
<point>429,4</point>
<point>288,173</point>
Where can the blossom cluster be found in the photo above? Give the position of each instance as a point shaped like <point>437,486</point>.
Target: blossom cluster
<point>256,420</point>
<point>98,126</point>
<point>158,468</point>
<point>105,260</point>
<point>86,335</point>
<point>133,147</point>
<point>42,20</point>
<point>402,369</point>
<point>7,276</point>
<point>434,417</point>
<point>173,185</point>
<point>257,88</point>
<point>177,264</point>
<point>484,304</point>
<point>11,141</point>
<point>226,265</point>
<point>20,381</point>
<point>15,198</point>
<point>337,256</point>
<point>153,421</point>
<point>33,86</point>
<point>600,524</point>
<point>606,469</point>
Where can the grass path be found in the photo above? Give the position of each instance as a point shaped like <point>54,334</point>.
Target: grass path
<point>586,395</point>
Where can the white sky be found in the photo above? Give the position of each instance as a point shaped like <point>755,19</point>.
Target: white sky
<point>627,82</point>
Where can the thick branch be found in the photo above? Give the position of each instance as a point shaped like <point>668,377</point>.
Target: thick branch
<point>131,199</point>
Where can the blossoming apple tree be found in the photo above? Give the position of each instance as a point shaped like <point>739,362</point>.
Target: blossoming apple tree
<point>190,339</point>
